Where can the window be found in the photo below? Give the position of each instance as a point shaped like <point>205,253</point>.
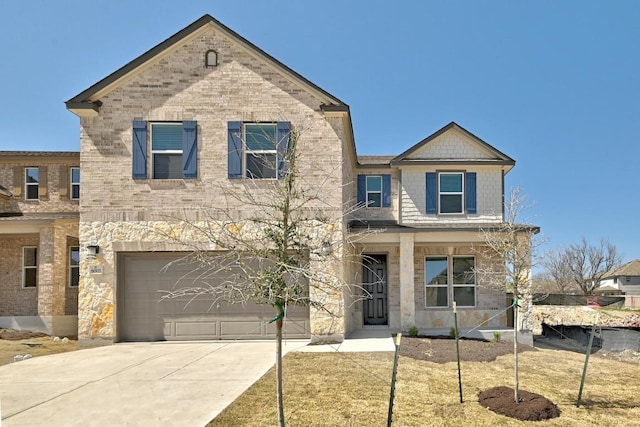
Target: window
<point>31,185</point>
<point>258,150</point>
<point>211,59</point>
<point>75,183</point>
<point>29,267</point>
<point>174,150</point>
<point>74,266</point>
<point>451,193</point>
<point>374,191</point>
<point>436,275</point>
<point>464,281</point>
<point>443,273</point>
<point>166,150</point>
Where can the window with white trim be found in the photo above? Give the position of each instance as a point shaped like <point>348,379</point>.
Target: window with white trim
<point>166,150</point>
<point>29,267</point>
<point>436,271</point>
<point>450,277</point>
<point>374,191</point>
<point>75,184</point>
<point>464,281</point>
<point>74,266</point>
<point>31,183</point>
<point>261,154</point>
<point>451,192</point>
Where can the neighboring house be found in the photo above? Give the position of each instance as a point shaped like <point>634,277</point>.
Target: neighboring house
<point>623,280</point>
<point>161,134</point>
<point>39,250</point>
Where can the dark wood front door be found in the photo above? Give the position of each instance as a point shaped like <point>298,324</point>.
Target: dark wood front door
<point>374,273</point>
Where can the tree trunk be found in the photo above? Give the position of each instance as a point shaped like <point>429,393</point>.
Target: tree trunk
<point>279,371</point>
<point>515,353</point>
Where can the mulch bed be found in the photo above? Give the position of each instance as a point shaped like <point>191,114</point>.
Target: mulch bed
<point>532,406</point>
<point>501,400</point>
<point>443,350</point>
<point>13,335</point>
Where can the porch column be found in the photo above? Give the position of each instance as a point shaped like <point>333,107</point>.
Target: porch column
<point>45,271</point>
<point>52,265</point>
<point>407,293</point>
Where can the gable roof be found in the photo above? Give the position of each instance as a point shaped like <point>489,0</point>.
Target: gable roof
<point>87,102</point>
<point>632,268</point>
<point>499,158</point>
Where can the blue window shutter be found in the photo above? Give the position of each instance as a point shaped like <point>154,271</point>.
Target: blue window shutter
<point>283,137</point>
<point>234,145</point>
<point>362,189</point>
<point>471,192</point>
<point>189,149</point>
<point>139,149</point>
<point>386,190</point>
<point>432,193</point>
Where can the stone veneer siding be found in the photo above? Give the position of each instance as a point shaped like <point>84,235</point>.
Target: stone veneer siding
<point>98,296</point>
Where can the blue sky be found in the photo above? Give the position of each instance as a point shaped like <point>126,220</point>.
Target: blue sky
<point>553,84</point>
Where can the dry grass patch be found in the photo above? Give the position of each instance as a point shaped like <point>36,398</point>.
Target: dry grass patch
<point>352,389</point>
<point>35,346</point>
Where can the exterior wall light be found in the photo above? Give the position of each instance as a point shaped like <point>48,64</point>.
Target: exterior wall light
<point>92,251</point>
<point>325,249</point>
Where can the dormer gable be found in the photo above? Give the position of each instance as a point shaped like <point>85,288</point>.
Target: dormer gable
<point>453,145</point>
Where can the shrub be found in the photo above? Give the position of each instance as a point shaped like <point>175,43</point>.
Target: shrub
<point>413,331</point>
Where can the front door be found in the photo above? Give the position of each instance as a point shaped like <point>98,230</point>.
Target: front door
<point>374,273</point>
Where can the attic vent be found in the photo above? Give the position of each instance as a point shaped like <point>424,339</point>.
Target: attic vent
<point>211,59</point>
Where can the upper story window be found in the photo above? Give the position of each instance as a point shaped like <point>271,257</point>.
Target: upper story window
<point>450,276</point>
<point>211,59</point>
<point>75,184</point>
<point>74,266</point>
<point>29,267</point>
<point>173,148</point>
<point>451,193</point>
<point>374,191</point>
<point>31,183</point>
<point>258,150</point>
<point>166,150</point>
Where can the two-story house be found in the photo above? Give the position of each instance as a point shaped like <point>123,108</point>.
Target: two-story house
<point>163,137</point>
<point>39,250</point>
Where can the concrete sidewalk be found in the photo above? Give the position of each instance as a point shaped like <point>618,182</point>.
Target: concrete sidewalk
<point>362,340</point>
<point>133,384</point>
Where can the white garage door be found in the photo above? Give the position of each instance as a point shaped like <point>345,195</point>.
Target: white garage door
<point>143,316</point>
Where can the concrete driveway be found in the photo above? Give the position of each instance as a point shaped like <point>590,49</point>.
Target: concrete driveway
<point>133,384</point>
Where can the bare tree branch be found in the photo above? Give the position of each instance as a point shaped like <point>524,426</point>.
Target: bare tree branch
<point>280,241</point>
